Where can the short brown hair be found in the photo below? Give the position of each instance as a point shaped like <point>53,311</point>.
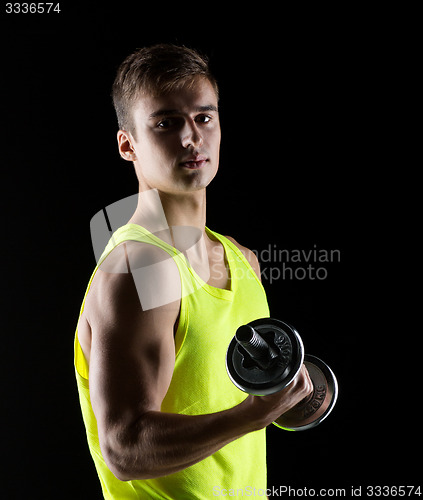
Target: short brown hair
<point>155,70</point>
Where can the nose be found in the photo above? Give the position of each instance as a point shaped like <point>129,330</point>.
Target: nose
<point>191,137</point>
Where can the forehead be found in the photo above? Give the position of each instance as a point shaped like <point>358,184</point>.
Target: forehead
<point>187,99</point>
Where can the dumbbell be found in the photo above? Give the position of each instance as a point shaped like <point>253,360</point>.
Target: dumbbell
<point>265,356</point>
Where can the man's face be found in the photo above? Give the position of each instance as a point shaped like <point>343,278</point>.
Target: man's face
<point>177,139</point>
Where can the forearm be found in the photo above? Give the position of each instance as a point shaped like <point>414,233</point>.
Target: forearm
<point>158,444</point>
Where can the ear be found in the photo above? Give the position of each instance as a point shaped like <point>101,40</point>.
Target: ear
<point>125,145</point>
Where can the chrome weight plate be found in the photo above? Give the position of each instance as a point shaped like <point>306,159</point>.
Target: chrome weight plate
<point>316,407</point>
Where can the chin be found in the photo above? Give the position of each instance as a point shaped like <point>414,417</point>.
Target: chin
<point>197,179</point>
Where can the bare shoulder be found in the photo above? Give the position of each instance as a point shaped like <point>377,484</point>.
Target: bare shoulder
<point>135,284</point>
<point>249,255</point>
<point>146,269</point>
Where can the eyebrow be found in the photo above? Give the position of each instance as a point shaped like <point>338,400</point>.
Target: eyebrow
<point>170,112</point>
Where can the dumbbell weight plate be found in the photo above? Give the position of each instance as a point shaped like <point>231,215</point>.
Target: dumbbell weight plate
<point>314,409</point>
<point>252,380</point>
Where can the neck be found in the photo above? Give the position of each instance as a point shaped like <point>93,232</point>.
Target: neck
<point>185,209</point>
<point>178,219</point>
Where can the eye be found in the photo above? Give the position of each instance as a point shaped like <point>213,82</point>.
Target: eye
<point>203,118</point>
<point>166,123</point>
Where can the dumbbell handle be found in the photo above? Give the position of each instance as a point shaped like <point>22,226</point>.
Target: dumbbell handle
<point>256,346</point>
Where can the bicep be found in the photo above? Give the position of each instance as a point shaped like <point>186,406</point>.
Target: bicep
<point>132,352</point>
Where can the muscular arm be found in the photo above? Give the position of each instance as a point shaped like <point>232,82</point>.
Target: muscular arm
<point>131,364</point>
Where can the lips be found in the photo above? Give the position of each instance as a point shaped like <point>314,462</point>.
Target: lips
<point>194,161</point>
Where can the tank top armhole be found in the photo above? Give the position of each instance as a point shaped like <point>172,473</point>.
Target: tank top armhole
<point>182,328</point>
<point>80,363</point>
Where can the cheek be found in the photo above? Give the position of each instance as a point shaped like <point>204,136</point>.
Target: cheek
<point>217,140</point>
<point>212,138</point>
<point>215,145</point>
<point>156,153</point>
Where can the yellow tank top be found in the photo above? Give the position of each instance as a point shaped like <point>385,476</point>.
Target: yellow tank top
<point>209,317</point>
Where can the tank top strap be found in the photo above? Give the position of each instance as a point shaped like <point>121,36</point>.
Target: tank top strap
<point>133,232</point>
<point>234,254</point>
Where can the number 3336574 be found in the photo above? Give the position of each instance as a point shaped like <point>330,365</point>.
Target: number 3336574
<point>32,8</point>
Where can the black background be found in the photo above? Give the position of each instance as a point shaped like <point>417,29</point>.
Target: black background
<point>307,101</point>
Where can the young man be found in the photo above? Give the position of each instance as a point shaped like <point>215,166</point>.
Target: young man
<point>163,419</point>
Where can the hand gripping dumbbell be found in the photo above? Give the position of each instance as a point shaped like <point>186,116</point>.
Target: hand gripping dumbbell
<point>265,356</point>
